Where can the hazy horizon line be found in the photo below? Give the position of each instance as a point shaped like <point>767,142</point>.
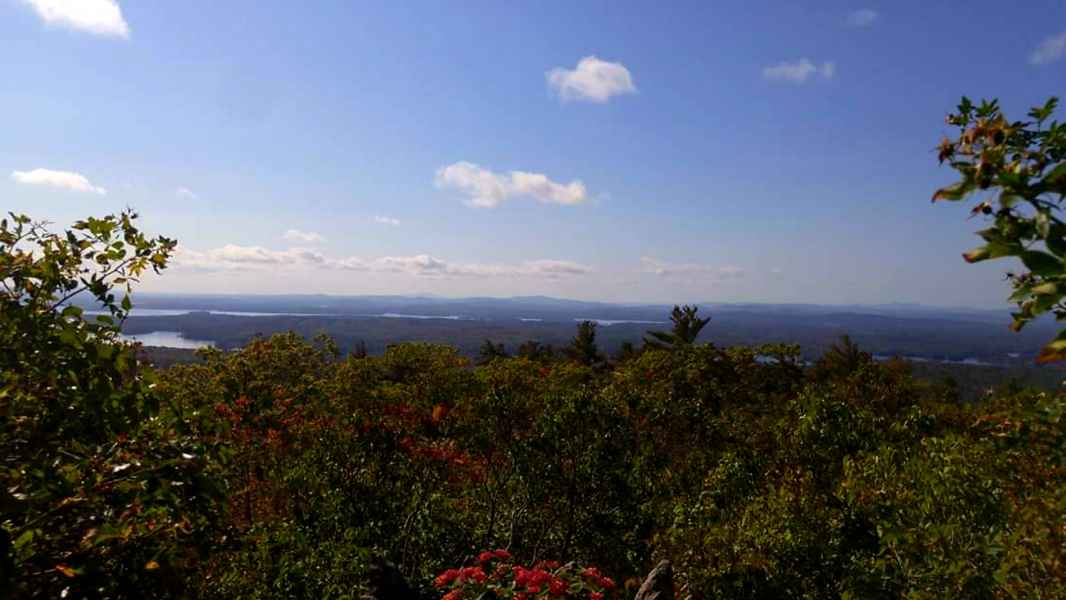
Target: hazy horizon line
<point>434,296</point>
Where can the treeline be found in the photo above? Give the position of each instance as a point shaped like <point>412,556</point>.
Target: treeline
<point>755,476</point>
<point>950,337</point>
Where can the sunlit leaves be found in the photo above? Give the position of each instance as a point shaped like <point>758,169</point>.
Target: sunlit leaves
<point>1025,162</point>
<point>1054,351</point>
<point>956,191</point>
<point>93,477</point>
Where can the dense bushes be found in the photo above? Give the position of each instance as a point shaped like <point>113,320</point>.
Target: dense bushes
<point>757,477</point>
<point>103,492</point>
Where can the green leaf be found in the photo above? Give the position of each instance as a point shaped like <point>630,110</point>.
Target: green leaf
<point>1021,293</point>
<point>25,538</point>
<point>1054,351</point>
<point>72,311</point>
<point>1041,113</point>
<point>1056,240</point>
<point>1043,223</point>
<point>69,338</point>
<point>1007,198</point>
<point>1046,289</point>
<point>965,107</point>
<point>955,191</point>
<point>1042,263</point>
<point>990,251</point>
<point>1059,172</point>
<point>977,254</point>
<point>1044,303</point>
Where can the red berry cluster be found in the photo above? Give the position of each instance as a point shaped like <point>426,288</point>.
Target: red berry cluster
<point>546,579</point>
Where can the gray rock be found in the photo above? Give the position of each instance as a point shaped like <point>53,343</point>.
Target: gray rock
<point>659,585</point>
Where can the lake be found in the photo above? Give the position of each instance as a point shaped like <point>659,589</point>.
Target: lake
<point>176,312</point>
<point>167,339</point>
<point>609,322</point>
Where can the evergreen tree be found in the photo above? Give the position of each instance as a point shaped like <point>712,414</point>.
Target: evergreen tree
<point>583,348</point>
<point>840,360</point>
<point>490,351</point>
<point>626,351</point>
<point>534,350</point>
<point>359,351</point>
<point>686,329</point>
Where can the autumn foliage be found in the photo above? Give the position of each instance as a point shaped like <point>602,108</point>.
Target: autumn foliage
<point>495,575</point>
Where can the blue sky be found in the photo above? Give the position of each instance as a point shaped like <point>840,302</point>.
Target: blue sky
<point>742,151</point>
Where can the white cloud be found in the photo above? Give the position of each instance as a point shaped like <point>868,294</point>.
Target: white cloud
<point>550,268</point>
<point>101,17</point>
<point>593,80</point>
<point>256,255</point>
<point>487,189</point>
<point>691,271</point>
<point>862,18</point>
<point>1050,50</point>
<point>799,71</point>
<point>307,237</point>
<point>353,263</point>
<point>423,265</point>
<point>545,190</point>
<point>184,193</point>
<point>387,221</point>
<point>61,179</point>
<point>234,257</point>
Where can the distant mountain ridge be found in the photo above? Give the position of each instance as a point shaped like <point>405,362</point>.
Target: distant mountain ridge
<point>544,308</point>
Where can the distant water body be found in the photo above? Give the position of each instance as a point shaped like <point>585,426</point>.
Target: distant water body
<point>609,322</point>
<point>174,339</point>
<point>947,361</point>
<point>177,312</point>
<point>167,339</point>
<point>407,316</point>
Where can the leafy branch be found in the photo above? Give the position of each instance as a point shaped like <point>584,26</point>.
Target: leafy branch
<point>1021,166</point>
